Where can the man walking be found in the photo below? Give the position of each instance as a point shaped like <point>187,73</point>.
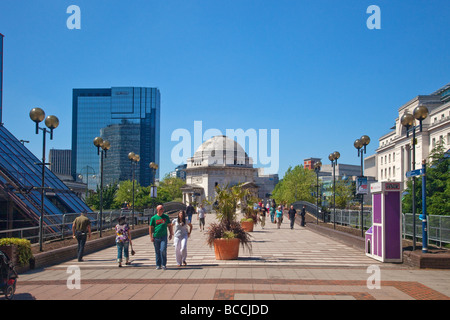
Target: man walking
<point>81,229</point>
<point>190,210</point>
<point>159,224</point>
<point>292,213</point>
<point>302,214</point>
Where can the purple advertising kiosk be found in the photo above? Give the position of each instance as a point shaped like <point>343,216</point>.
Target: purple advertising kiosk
<point>384,237</point>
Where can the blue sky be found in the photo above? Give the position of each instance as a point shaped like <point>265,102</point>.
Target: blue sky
<point>311,69</point>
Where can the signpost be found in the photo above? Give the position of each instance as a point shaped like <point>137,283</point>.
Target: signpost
<point>414,173</point>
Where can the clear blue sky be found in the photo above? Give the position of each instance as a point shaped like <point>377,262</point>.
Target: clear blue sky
<point>311,69</point>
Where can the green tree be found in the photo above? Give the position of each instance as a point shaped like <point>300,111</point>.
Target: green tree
<point>298,184</point>
<point>172,186</point>
<point>109,193</point>
<point>438,185</point>
<point>344,193</point>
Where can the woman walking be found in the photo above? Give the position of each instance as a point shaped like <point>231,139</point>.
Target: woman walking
<point>272,214</point>
<point>123,241</point>
<point>279,217</point>
<point>181,235</point>
<point>201,217</point>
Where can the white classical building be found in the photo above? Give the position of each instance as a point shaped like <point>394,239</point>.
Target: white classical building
<point>221,161</point>
<point>394,155</point>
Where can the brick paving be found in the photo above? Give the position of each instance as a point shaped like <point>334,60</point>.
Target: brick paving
<point>284,264</point>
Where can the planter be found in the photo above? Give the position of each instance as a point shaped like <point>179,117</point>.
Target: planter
<point>12,252</point>
<point>247,225</point>
<point>226,249</point>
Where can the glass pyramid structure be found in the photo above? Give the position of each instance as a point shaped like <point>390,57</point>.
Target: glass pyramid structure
<point>20,187</point>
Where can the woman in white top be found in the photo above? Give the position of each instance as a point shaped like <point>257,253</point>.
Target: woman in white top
<point>181,235</point>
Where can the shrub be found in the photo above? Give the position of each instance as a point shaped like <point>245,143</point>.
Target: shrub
<point>23,248</point>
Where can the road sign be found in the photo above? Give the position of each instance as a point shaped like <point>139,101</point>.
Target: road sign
<point>414,173</point>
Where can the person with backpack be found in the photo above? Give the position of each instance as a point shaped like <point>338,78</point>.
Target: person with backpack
<point>123,241</point>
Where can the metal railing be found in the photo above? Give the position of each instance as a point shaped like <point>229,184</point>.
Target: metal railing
<point>438,226</point>
<point>64,228</point>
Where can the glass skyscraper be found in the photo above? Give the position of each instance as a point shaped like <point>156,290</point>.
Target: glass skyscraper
<point>129,118</point>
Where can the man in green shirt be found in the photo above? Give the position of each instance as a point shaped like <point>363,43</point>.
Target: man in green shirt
<point>159,224</point>
<point>81,228</point>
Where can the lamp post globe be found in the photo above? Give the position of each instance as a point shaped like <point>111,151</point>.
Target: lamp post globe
<point>52,122</point>
<point>337,155</point>
<point>358,144</point>
<point>421,113</point>
<point>131,155</point>
<point>106,145</point>
<point>365,140</point>
<point>98,142</point>
<point>37,115</point>
<point>331,157</point>
<point>407,120</point>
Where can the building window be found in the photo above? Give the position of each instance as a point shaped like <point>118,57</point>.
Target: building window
<point>393,157</point>
<point>381,159</point>
<point>393,171</point>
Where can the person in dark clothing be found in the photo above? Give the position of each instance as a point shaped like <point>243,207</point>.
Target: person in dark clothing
<point>302,214</point>
<point>292,213</point>
<point>190,210</point>
<point>81,229</point>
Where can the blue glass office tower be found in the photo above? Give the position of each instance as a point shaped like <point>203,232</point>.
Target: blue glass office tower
<point>129,118</point>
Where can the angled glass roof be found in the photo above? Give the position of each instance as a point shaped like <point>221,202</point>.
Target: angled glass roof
<point>20,179</point>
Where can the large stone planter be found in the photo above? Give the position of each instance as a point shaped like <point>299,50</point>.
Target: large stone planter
<point>12,253</point>
<point>247,226</point>
<point>226,249</point>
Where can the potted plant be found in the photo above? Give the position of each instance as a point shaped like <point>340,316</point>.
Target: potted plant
<point>227,234</point>
<point>18,250</point>
<point>250,214</point>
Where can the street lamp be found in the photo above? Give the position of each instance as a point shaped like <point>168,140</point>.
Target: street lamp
<point>317,166</point>
<point>361,145</point>
<point>333,157</point>
<point>104,145</point>
<point>153,188</point>
<point>37,115</point>
<point>408,120</point>
<point>134,158</point>
<point>87,177</point>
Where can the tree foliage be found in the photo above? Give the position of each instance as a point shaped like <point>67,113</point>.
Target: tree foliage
<point>116,195</point>
<point>437,185</point>
<point>298,184</point>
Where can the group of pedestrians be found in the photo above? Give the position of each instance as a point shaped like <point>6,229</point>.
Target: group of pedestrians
<point>276,214</point>
<point>163,229</point>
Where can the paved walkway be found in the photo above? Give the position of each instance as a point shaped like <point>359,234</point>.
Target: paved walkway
<point>284,264</point>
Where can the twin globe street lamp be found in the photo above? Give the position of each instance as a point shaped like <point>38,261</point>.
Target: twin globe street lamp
<point>104,145</point>
<point>134,158</point>
<point>37,115</point>
<point>317,166</point>
<point>333,157</point>
<point>361,145</point>
<point>408,120</point>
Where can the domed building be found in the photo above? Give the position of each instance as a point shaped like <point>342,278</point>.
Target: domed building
<point>221,161</point>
